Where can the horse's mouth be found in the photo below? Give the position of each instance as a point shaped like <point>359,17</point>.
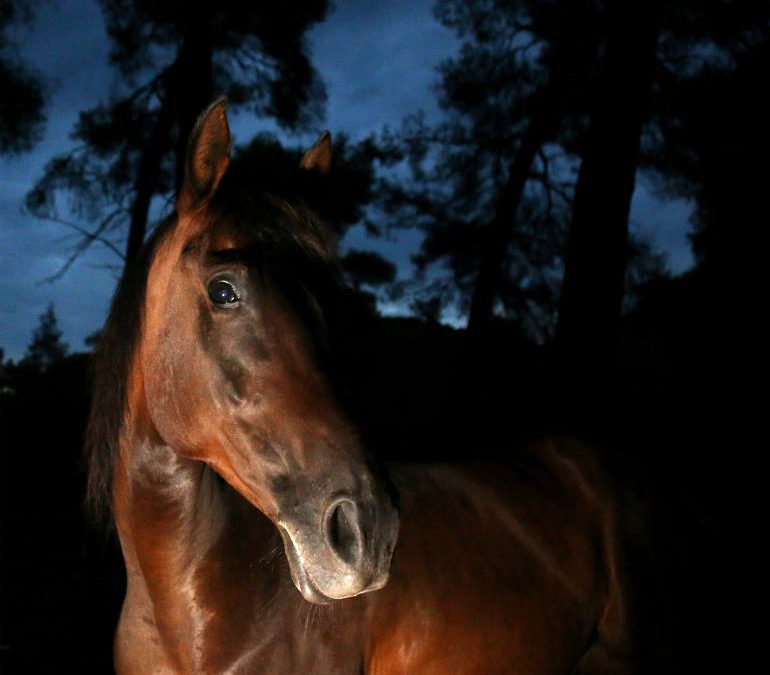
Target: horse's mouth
<point>353,584</point>
<point>299,574</point>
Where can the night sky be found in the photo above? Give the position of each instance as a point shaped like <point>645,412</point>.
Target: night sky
<point>378,60</point>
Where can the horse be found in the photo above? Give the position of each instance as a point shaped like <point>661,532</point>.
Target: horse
<point>259,535</point>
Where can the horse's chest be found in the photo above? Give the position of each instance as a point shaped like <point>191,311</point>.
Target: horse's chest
<point>285,636</point>
<point>262,657</point>
<point>301,638</point>
<point>296,658</point>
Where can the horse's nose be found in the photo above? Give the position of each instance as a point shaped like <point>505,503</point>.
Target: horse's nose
<point>343,549</point>
<point>345,530</point>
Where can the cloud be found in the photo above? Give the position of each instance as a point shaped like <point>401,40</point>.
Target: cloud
<point>379,59</point>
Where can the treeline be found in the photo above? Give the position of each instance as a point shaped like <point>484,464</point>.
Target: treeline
<point>552,111</point>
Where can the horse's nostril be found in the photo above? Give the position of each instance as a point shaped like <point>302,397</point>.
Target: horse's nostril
<point>343,530</point>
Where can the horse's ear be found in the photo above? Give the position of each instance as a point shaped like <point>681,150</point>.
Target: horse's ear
<point>319,156</point>
<point>208,156</point>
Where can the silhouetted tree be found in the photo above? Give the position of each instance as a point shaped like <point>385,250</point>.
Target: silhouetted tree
<point>695,74</point>
<point>368,268</point>
<point>22,100</point>
<point>92,339</point>
<point>170,59</point>
<point>709,131</point>
<point>710,128</point>
<point>491,185</point>
<point>46,346</point>
<point>535,86</point>
<point>707,142</point>
<point>597,245</point>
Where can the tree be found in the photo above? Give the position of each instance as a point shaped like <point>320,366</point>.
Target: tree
<point>695,78</point>
<point>170,59</point>
<point>596,254</point>
<point>706,143</point>
<point>535,87</point>
<point>710,128</point>
<point>22,102</point>
<point>46,346</point>
<point>490,184</point>
<point>368,268</point>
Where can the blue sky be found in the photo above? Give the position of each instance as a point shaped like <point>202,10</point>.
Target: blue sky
<point>378,60</point>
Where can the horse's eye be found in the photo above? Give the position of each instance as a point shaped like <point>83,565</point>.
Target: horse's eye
<point>222,292</point>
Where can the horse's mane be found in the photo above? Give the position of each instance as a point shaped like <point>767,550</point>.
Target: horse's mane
<point>286,237</point>
<point>110,366</point>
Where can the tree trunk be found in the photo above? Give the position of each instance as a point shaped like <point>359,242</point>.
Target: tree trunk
<point>147,178</point>
<point>497,234</point>
<point>187,93</point>
<point>194,85</point>
<point>595,259</point>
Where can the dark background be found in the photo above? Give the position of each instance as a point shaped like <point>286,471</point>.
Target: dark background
<point>531,306</point>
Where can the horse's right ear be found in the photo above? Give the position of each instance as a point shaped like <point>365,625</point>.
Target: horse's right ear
<point>208,156</point>
<point>319,157</point>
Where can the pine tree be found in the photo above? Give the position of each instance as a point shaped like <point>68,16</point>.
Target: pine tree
<point>22,101</point>
<point>46,346</point>
<point>489,185</point>
<point>171,58</point>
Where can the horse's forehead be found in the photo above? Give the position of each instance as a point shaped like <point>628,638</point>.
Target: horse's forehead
<point>189,240</point>
<point>167,265</point>
<point>223,235</point>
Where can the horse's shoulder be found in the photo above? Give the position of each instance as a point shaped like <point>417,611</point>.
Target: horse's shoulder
<point>484,548</point>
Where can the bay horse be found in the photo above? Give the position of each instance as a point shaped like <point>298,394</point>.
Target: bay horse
<point>258,535</point>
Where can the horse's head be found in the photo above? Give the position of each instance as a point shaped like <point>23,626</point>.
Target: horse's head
<point>233,377</point>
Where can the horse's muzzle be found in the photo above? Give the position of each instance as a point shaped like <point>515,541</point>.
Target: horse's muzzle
<point>342,549</point>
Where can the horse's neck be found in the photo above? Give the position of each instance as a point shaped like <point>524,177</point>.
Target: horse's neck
<point>179,527</point>
<point>171,508</point>
<point>166,508</point>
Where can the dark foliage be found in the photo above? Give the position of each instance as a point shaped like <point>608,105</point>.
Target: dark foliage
<point>368,268</point>
<point>492,185</point>
<point>46,346</point>
<point>711,133</point>
<point>23,99</point>
<point>170,60</point>
<point>595,256</point>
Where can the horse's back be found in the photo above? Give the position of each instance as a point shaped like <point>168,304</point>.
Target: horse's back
<point>502,568</point>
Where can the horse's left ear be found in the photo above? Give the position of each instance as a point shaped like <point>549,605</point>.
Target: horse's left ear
<point>319,156</point>
<point>208,156</point>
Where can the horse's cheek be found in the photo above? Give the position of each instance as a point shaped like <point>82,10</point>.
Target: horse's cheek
<point>173,400</point>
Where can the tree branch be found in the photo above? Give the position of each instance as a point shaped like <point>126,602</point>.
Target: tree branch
<point>88,238</point>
